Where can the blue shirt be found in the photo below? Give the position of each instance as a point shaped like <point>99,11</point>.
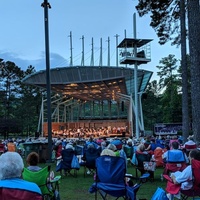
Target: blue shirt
<point>18,183</point>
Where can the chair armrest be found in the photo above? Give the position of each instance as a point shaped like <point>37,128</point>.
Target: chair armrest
<point>57,178</point>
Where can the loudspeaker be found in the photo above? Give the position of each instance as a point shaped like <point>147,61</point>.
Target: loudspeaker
<point>122,105</point>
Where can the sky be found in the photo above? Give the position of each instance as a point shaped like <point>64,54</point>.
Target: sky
<point>22,35</point>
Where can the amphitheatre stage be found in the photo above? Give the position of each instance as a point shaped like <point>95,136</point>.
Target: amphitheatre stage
<point>88,96</point>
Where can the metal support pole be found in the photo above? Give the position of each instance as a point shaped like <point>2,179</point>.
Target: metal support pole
<point>131,115</point>
<point>136,83</point>
<point>141,113</point>
<point>46,6</point>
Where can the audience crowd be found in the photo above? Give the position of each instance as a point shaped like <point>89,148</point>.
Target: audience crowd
<point>163,150</point>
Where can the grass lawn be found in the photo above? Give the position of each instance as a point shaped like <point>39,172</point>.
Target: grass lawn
<point>77,188</point>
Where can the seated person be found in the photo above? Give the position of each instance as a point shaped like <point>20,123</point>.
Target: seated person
<point>117,142</point>
<point>175,154</point>
<point>91,141</point>
<point>12,186</point>
<point>57,148</point>
<point>129,149</point>
<point>173,139</point>
<point>113,148</point>
<point>185,177</point>
<point>175,159</point>
<point>142,155</point>
<point>157,156</point>
<point>32,161</point>
<point>147,143</point>
<point>152,146</point>
<point>141,149</point>
<point>190,144</point>
<point>108,152</point>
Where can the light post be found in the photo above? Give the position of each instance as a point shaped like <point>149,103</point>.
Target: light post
<point>46,6</point>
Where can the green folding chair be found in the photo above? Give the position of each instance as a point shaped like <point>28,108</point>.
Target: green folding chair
<point>49,188</point>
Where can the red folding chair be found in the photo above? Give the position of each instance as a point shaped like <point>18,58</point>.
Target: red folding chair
<point>176,162</point>
<point>195,190</point>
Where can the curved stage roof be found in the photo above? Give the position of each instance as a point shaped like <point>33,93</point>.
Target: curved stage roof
<point>91,82</point>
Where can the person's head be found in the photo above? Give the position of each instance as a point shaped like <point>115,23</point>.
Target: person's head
<point>112,147</point>
<point>191,137</point>
<point>174,137</point>
<point>175,145</point>
<point>108,152</point>
<point>11,165</point>
<point>69,146</point>
<point>129,142</point>
<point>32,159</point>
<point>91,139</point>
<point>90,147</point>
<point>148,138</point>
<point>194,154</point>
<point>141,147</point>
<point>103,144</point>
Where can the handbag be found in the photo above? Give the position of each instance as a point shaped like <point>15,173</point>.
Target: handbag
<point>149,166</point>
<point>159,194</point>
<point>75,163</point>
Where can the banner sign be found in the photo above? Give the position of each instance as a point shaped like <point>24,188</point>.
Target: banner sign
<point>167,129</point>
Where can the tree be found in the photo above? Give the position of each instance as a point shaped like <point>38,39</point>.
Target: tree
<point>19,102</point>
<point>170,85</point>
<point>29,102</point>
<point>184,72</point>
<point>194,47</point>
<point>165,18</point>
<point>151,105</point>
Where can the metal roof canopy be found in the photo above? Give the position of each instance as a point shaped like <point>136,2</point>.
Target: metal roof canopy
<point>130,42</point>
<point>91,82</point>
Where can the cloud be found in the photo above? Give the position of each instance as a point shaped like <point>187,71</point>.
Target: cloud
<point>56,60</point>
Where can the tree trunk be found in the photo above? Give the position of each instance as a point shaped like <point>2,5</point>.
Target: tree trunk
<point>194,47</point>
<point>185,112</point>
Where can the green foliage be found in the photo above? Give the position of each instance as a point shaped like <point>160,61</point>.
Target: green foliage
<point>165,16</point>
<point>164,104</point>
<point>18,101</point>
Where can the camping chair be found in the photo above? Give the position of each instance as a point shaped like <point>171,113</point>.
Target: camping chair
<point>67,156</point>
<point>195,190</point>
<point>188,148</point>
<point>111,179</point>
<point>49,188</point>
<point>79,151</point>
<point>157,156</point>
<point>89,158</point>
<point>2,148</point>
<point>176,162</point>
<point>141,158</point>
<point>129,151</point>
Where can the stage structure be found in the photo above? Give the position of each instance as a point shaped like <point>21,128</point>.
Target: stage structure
<point>95,96</point>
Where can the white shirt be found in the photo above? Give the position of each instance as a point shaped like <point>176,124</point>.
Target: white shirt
<point>184,177</point>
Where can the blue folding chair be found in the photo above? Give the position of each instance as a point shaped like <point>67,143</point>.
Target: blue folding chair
<point>111,179</point>
<point>89,159</point>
